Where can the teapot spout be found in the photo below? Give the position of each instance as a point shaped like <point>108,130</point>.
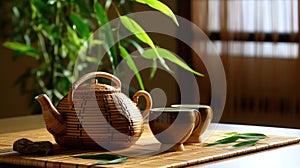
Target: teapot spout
<point>54,121</point>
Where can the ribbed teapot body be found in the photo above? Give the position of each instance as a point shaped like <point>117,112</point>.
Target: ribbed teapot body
<point>96,115</point>
<point>99,119</point>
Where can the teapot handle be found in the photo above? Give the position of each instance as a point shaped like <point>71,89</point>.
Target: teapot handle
<point>88,76</point>
<point>148,101</point>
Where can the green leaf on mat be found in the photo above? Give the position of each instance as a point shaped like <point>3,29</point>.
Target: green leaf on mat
<point>244,144</point>
<point>103,158</point>
<point>224,141</point>
<point>251,136</point>
<point>155,4</point>
<point>231,133</point>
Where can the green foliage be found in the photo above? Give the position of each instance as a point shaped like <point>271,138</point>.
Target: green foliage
<point>223,141</point>
<point>131,65</point>
<point>104,159</point>
<point>54,31</point>
<point>155,4</point>
<point>22,48</point>
<point>244,144</point>
<point>165,54</point>
<point>251,139</point>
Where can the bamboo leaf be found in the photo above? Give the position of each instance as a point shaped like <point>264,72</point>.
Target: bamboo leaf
<point>231,133</point>
<point>83,6</point>
<point>41,6</point>
<point>139,48</point>
<point>164,64</point>
<point>98,156</point>
<point>73,36</point>
<point>153,68</point>
<point>131,65</point>
<point>108,4</point>
<point>105,158</point>
<point>92,59</point>
<point>252,136</point>
<point>57,94</point>
<point>244,144</point>
<point>150,53</point>
<point>81,27</point>
<point>100,14</point>
<point>16,12</point>
<point>103,20</point>
<point>155,4</point>
<point>223,141</point>
<point>137,30</point>
<point>115,161</point>
<point>22,48</point>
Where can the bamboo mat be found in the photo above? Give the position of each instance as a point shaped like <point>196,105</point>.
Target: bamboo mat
<point>147,145</point>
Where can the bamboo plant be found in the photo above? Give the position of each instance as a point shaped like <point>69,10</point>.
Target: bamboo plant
<point>54,31</point>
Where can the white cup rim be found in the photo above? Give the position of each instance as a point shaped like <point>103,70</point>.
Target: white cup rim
<point>197,106</point>
<point>172,109</point>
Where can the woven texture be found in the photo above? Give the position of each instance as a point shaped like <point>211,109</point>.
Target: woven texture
<point>109,117</point>
<point>193,154</point>
<point>118,114</point>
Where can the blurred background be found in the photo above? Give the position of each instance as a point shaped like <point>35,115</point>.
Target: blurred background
<point>258,42</point>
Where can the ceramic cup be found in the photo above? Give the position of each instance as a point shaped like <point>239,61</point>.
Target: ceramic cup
<point>172,126</point>
<point>201,125</point>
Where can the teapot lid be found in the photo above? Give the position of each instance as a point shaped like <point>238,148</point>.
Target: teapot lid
<point>82,87</point>
<point>98,87</point>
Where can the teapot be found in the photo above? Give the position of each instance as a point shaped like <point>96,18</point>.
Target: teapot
<point>95,115</point>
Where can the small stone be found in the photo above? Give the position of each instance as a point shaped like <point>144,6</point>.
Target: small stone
<point>26,147</point>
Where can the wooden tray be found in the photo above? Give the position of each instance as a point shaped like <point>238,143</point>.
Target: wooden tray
<point>147,145</point>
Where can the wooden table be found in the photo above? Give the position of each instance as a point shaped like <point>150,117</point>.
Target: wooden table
<point>287,156</point>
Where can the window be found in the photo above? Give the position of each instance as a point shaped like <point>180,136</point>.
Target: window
<point>258,41</point>
<point>255,28</point>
